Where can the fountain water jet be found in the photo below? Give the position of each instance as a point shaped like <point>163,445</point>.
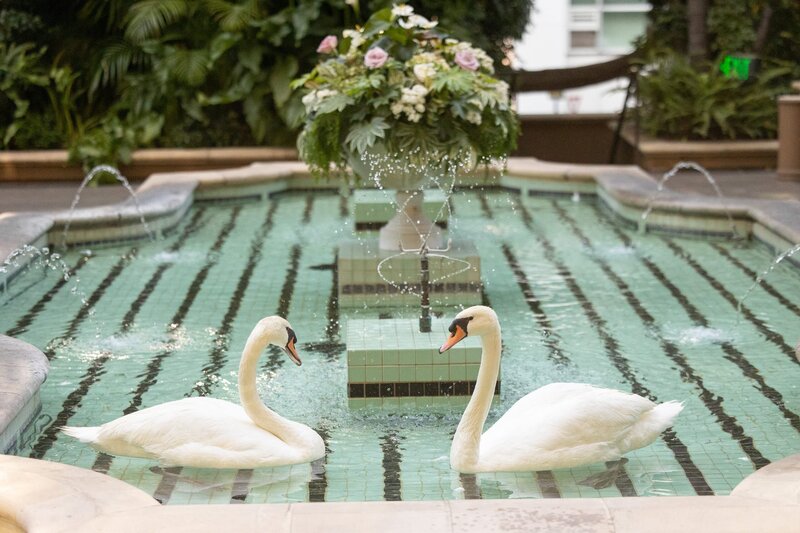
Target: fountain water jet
<point>37,256</point>
<point>785,255</point>
<point>686,165</point>
<point>122,180</point>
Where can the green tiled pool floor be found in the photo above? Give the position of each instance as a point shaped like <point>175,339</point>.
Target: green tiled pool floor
<point>579,299</point>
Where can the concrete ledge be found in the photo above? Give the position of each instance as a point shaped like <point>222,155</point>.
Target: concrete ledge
<point>41,496</point>
<point>54,165</point>
<point>23,369</point>
<point>50,497</point>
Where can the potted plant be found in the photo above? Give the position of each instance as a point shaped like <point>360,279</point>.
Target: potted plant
<point>399,100</point>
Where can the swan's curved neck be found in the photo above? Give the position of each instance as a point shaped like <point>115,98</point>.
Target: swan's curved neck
<point>259,413</point>
<point>465,450</point>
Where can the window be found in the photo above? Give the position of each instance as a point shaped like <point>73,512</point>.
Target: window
<point>606,27</point>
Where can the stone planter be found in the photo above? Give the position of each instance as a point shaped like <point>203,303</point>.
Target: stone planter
<point>658,155</point>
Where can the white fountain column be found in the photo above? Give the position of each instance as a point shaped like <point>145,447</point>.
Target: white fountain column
<point>410,228</point>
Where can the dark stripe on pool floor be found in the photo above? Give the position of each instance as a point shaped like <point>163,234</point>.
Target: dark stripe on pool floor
<point>150,375</point>
<point>550,338</point>
<point>732,354</point>
<point>392,459</point>
<point>771,335</point>
<point>218,356</point>
<point>318,485</point>
<point>88,305</point>
<point>276,357</point>
<point>713,402</point>
<point>103,461</point>
<point>547,484</point>
<point>614,354</point>
<point>130,317</point>
<point>25,320</point>
<point>472,490</point>
<point>219,353</point>
<point>768,288</point>
<point>241,485</point>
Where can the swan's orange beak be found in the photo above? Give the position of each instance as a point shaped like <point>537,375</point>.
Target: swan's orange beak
<point>291,351</point>
<point>457,335</point>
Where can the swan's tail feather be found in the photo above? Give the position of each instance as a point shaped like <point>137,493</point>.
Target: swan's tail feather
<point>664,414</point>
<point>83,434</point>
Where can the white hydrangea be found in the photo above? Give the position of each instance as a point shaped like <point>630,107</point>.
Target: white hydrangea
<point>313,99</point>
<point>417,21</point>
<point>402,10</point>
<point>412,103</point>
<point>356,39</point>
<point>474,117</point>
<point>501,91</point>
<point>424,72</point>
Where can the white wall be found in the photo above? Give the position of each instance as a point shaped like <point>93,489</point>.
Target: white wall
<point>545,45</point>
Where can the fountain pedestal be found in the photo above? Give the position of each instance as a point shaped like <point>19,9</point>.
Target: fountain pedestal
<point>361,284</point>
<point>373,208</point>
<point>390,363</point>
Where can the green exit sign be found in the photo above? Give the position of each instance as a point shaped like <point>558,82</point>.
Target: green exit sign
<point>739,67</point>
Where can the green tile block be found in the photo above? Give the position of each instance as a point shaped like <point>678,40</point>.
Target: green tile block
<point>374,357</point>
<point>391,374</point>
<point>356,374</point>
<point>356,357</point>
<point>390,356</point>
<point>472,372</point>
<point>357,403</point>
<point>456,355</point>
<point>423,373</point>
<point>473,355</point>
<point>373,374</point>
<point>373,402</point>
<point>441,372</point>
<point>406,357</point>
<point>458,372</point>
<point>423,356</point>
<point>406,373</point>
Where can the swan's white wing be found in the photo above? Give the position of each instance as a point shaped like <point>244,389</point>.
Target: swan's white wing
<point>193,431</point>
<point>564,424</point>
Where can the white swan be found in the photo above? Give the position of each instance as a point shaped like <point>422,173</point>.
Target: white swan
<point>560,425</point>
<point>209,433</point>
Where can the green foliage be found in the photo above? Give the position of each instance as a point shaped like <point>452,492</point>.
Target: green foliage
<point>201,72</point>
<point>681,102</point>
<point>402,84</point>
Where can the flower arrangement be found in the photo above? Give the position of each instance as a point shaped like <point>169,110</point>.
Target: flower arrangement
<point>400,83</point>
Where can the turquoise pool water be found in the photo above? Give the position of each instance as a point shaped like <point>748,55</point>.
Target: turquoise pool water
<point>580,298</point>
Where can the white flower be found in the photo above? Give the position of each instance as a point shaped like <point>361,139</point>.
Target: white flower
<point>418,21</point>
<point>424,72</point>
<point>402,10</point>
<point>420,90</point>
<point>474,117</point>
<point>356,39</point>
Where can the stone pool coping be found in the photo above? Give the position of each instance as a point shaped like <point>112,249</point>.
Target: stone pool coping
<point>23,369</point>
<point>165,197</point>
<point>41,496</point>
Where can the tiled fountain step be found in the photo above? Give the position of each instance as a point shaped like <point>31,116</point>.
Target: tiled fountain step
<point>390,362</point>
<point>360,283</point>
<point>373,207</point>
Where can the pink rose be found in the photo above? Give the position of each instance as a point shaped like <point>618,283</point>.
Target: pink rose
<point>466,59</point>
<point>375,57</point>
<point>328,45</point>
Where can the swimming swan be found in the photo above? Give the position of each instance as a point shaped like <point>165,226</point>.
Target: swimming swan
<point>209,433</point>
<point>560,425</point>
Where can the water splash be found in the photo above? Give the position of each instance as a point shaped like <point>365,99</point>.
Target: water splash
<point>122,180</point>
<point>34,257</point>
<point>788,253</point>
<point>687,165</point>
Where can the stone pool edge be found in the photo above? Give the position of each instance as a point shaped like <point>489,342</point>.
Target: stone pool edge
<point>41,496</point>
<point>164,198</point>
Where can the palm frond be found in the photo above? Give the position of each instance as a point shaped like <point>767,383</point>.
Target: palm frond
<point>148,18</point>
<point>233,16</point>
<point>116,59</point>
<point>188,66</point>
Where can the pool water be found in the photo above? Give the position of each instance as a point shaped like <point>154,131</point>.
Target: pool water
<point>580,298</point>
